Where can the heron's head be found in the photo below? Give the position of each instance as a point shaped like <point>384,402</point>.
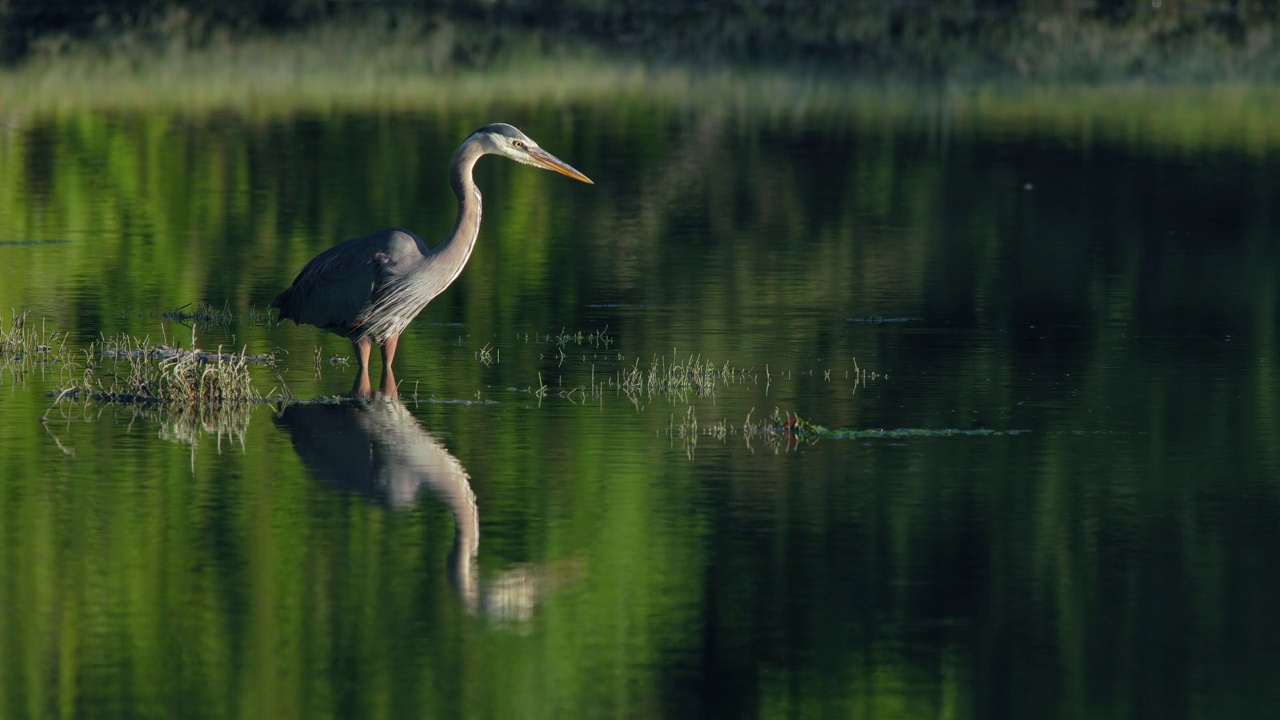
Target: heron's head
<point>505,140</point>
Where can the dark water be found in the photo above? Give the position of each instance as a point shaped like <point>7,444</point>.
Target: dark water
<point>523,538</point>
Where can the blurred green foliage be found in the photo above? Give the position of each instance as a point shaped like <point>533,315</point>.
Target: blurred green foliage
<point>957,39</point>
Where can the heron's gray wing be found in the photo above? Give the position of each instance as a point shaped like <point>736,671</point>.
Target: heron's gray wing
<point>335,290</point>
<point>331,291</point>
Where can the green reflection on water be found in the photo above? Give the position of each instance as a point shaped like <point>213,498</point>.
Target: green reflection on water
<point>1112,292</point>
<point>236,585</point>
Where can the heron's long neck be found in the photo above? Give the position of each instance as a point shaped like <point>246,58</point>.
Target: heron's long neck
<point>456,248</point>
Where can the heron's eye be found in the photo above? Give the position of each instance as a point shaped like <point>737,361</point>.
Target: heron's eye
<point>518,144</point>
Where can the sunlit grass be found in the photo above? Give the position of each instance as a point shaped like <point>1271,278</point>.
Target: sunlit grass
<point>324,68</point>
<point>338,68</point>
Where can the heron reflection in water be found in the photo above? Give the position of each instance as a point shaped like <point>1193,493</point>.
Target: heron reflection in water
<point>368,289</point>
<point>379,449</point>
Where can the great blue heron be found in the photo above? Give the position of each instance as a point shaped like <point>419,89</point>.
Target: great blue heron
<point>369,288</point>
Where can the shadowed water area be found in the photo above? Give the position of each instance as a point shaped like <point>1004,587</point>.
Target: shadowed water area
<point>1041,350</point>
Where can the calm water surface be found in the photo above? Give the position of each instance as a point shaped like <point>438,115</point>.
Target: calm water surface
<point>1100,312</point>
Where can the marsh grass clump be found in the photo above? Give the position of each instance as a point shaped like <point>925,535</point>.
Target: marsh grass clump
<point>679,378</point>
<point>125,369</point>
<point>26,342</point>
<point>674,377</point>
<point>193,381</point>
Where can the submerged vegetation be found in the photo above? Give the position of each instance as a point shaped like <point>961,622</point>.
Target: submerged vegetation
<point>192,392</point>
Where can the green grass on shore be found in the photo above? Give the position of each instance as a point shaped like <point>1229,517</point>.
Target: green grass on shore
<point>353,69</point>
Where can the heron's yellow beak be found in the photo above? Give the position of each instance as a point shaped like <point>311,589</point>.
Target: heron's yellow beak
<point>544,159</point>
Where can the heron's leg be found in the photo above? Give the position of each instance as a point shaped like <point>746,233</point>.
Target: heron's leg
<point>363,346</point>
<point>388,385</point>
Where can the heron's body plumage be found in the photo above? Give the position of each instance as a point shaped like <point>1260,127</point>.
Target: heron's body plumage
<point>339,288</point>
